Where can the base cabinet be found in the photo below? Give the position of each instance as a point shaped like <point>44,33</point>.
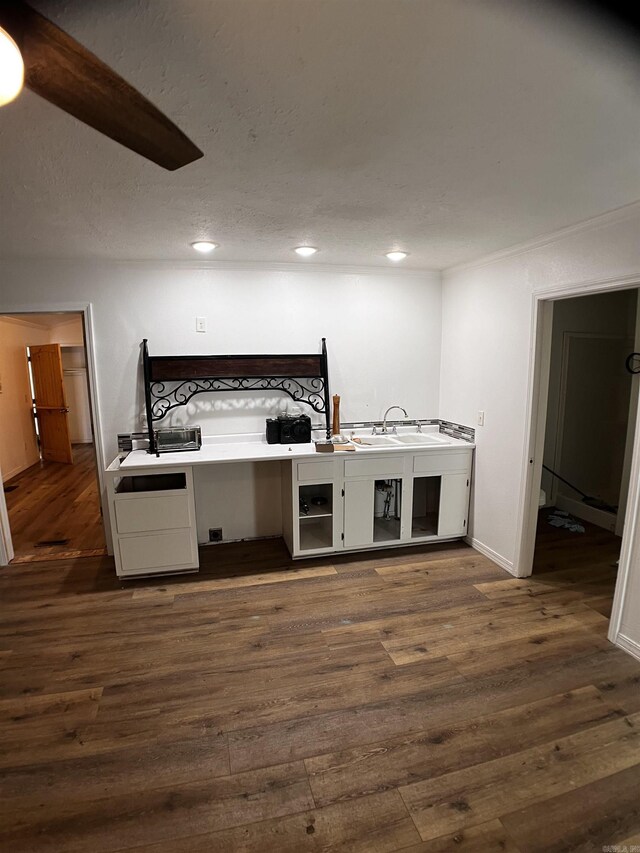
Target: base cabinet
<point>372,512</point>
<point>153,521</point>
<point>375,502</point>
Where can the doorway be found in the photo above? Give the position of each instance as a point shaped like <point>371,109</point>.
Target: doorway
<point>47,439</point>
<point>616,541</point>
<point>585,471</point>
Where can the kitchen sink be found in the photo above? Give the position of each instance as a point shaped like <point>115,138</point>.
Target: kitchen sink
<point>419,438</point>
<point>376,441</point>
<point>400,439</point>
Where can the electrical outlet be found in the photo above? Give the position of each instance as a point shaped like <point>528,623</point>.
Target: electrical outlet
<point>215,534</point>
<point>201,324</point>
<point>480,418</point>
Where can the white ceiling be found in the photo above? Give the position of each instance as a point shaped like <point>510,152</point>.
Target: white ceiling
<point>449,128</point>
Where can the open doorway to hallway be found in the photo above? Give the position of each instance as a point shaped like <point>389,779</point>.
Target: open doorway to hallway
<point>590,425</point>
<point>47,452</point>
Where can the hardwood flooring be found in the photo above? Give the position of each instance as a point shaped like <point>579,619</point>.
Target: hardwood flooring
<point>419,700</point>
<point>52,501</point>
<point>596,548</point>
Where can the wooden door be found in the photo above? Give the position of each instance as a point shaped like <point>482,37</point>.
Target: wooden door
<point>51,403</point>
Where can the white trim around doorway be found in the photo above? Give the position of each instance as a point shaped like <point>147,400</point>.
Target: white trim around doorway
<point>537,390</point>
<point>86,310</point>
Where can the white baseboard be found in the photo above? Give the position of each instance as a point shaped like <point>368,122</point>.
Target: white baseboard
<point>14,473</point>
<point>606,520</point>
<point>628,645</point>
<point>491,554</point>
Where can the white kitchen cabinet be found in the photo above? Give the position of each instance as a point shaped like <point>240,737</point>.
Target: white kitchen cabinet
<point>373,500</point>
<point>153,521</point>
<point>312,507</point>
<point>376,501</point>
<point>440,504</point>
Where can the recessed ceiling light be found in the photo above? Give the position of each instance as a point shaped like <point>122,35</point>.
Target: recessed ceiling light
<point>204,246</point>
<point>305,251</point>
<point>396,256</point>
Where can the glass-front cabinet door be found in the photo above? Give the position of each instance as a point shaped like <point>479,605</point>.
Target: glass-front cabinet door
<point>316,518</point>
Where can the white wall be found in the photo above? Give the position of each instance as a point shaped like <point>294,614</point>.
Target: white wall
<point>18,445</point>
<point>68,332</point>
<point>382,329</point>
<point>487,347</point>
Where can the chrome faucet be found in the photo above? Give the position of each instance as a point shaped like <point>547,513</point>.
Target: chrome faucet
<point>384,420</point>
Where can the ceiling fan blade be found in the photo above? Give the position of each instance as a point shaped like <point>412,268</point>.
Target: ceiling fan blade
<point>61,70</point>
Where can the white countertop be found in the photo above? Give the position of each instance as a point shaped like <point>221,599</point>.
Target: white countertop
<point>254,448</point>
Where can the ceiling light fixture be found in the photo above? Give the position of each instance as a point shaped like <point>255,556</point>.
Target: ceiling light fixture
<point>305,251</point>
<point>204,246</point>
<point>396,256</point>
<point>11,69</point>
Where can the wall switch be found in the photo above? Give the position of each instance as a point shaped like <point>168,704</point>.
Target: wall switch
<point>201,324</point>
<point>480,418</point>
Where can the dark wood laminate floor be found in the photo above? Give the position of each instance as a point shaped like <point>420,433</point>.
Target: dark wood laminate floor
<point>52,501</point>
<point>593,554</point>
<point>418,700</point>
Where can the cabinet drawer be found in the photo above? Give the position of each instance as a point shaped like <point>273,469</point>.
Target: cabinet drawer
<point>438,462</point>
<point>387,466</point>
<point>156,552</point>
<point>321,470</point>
<point>136,515</point>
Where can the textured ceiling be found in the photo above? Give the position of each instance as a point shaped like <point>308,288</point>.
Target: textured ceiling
<point>449,128</point>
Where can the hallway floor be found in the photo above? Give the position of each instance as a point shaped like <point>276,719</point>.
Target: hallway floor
<point>55,503</point>
<point>588,558</point>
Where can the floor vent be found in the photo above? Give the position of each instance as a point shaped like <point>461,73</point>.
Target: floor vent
<point>8,489</point>
<point>49,543</point>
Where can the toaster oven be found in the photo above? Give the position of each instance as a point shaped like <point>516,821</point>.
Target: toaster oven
<point>172,439</point>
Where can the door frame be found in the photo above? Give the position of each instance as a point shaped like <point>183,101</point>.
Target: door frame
<point>86,311</point>
<point>535,419</point>
<point>631,428</point>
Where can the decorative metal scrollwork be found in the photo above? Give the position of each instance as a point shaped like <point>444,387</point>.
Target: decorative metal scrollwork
<point>164,397</point>
<point>309,383</point>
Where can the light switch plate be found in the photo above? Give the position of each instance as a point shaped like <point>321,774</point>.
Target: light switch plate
<point>201,324</point>
<point>480,418</point>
